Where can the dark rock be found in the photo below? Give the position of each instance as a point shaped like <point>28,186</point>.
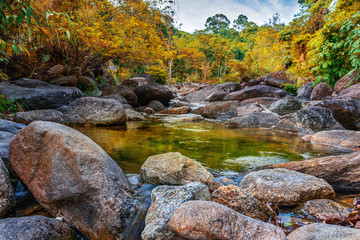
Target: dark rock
<point>278,83</point>
<point>255,92</point>
<point>209,220</point>
<point>118,97</point>
<point>218,109</point>
<point>321,91</point>
<point>7,195</point>
<point>304,93</point>
<point>148,110</point>
<point>217,96</point>
<point>156,105</point>
<point>148,78</point>
<point>125,92</point>
<point>41,95</point>
<point>68,173</point>
<point>351,92</point>
<point>11,127</point>
<point>35,228</point>
<point>30,83</point>
<point>346,81</point>
<point>96,111</point>
<point>56,70</point>
<point>286,106</point>
<point>251,83</point>
<point>68,81</point>
<point>285,187</point>
<point>343,139</point>
<point>147,93</point>
<point>165,200</point>
<point>239,201</point>
<point>138,81</point>
<point>177,110</point>
<point>38,115</point>
<point>86,83</point>
<point>258,119</point>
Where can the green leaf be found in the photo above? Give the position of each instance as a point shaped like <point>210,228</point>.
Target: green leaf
<point>20,18</point>
<point>15,49</point>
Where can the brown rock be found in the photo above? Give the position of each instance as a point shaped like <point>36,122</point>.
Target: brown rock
<point>251,120</point>
<point>346,81</point>
<point>57,69</point>
<point>217,96</point>
<point>265,101</point>
<point>68,81</point>
<point>38,115</point>
<point>177,110</point>
<point>218,109</point>
<point>125,92</point>
<point>325,208</point>
<point>249,108</point>
<point>321,91</point>
<point>208,220</point>
<point>239,201</point>
<point>68,173</point>
<point>343,139</point>
<point>342,170</point>
<point>256,92</point>
<point>351,92</point>
<point>156,105</point>
<point>148,110</point>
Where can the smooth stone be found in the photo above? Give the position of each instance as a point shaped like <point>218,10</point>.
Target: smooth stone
<point>177,110</point>
<point>39,115</point>
<point>67,81</point>
<point>285,187</point>
<point>264,101</point>
<point>324,208</point>
<point>286,105</point>
<point>321,91</point>
<point>203,220</point>
<point>252,120</point>
<point>7,195</point>
<point>256,92</point>
<point>123,91</point>
<point>343,139</point>
<point>11,127</point>
<point>215,110</point>
<point>118,97</point>
<point>192,119</point>
<point>346,81</point>
<point>304,92</point>
<point>351,92</point>
<point>148,92</point>
<point>156,105</point>
<point>216,97</point>
<point>134,116</point>
<point>249,108</point>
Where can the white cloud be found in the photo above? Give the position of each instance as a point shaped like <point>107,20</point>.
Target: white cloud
<point>193,13</point>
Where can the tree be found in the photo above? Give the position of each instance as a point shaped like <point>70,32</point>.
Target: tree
<point>216,23</point>
<point>241,22</point>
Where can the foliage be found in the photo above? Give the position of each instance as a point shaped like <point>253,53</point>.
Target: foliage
<point>158,73</point>
<point>8,106</point>
<point>290,88</point>
<point>241,22</point>
<point>217,23</point>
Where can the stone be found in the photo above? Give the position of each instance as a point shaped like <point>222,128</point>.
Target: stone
<point>285,187</point>
<point>57,69</point>
<point>258,119</point>
<point>39,95</point>
<point>218,109</point>
<point>156,105</point>
<point>256,92</point>
<point>265,101</point>
<point>321,231</point>
<point>148,92</point>
<point>342,139</point>
<point>30,83</point>
<point>148,110</point>
<point>86,83</point>
<point>346,81</point>
<point>182,104</point>
<point>217,96</point>
<point>239,201</point>
<point>351,92</point>
<point>304,92</point>
<point>175,169</point>
<point>208,220</point>
<point>148,78</point>
<point>345,111</point>
<point>203,94</point>
<point>11,127</point>
<point>251,83</point>
<point>95,111</point>
<point>273,82</point>
<point>117,97</point>
<point>177,110</point>
<point>321,91</point>
<point>123,91</point>
<point>134,116</point>
<point>68,173</point>
<point>7,195</point>
<point>35,227</point>
<point>249,108</point>
<point>39,115</point>
<point>324,208</point>
<point>286,106</point>
<point>192,119</point>
<point>165,200</point>
<point>67,81</point>
<point>341,170</point>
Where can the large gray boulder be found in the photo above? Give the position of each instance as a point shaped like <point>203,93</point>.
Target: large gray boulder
<point>286,105</point>
<point>251,120</point>
<point>304,92</point>
<point>35,94</point>
<point>39,115</point>
<point>123,91</point>
<point>95,111</point>
<point>218,109</point>
<point>342,139</point>
<point>7,195</point>
<point>35,228</point>
<point>68,173</point>
<point>209,220</point>
<point>148,92</point>
<point>285,187</point>
<point>165,200</point>
<point>256,92</point>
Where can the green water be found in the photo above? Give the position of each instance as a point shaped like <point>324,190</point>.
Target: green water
<point>217,147</point>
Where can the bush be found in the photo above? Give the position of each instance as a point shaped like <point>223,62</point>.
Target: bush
<point>158,73</point>
<point>8,106</point>
<point>290,88</point>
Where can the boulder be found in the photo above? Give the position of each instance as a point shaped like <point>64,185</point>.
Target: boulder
<point>11,127</point>
<point>132,115</point>
<point>56,70</point>
<point>67,81</point>
<point>321,231</point>
<point>346,81</point>
<point>192,119</point>
<point>165,200</point>
<point>7,195</point>
<point>218,109</point>
<point>265,101</point>
<point>148,78</point>
<point>343,139</point>
<point>304,92</point>
<point>285,187</point>
<point>209,220</point>
<point>68,173</point>
<point>252,82</point>
<point>249,108</point>
<point>96,111</point>
<point>258,119</point>
<point>321,91</point>
<point>240,201</point>
<point>123,91</point>
<point>86,83</point>
<point>177,110</point>
<point>117,97</point>
<point>148,110</point>
<point>182,104</point>
<point>156,105</point>
<point>5,140</point>
<point>203,94</point>
<point>256,92</point>
<point>39,95</point>
<point>342,170</point>
<point>286,106</point>
<point>148,92</point>
<point>345,111</point>
<point>273,82</point>
<point>175,169</point>
<point>35,228</point>
<point>324,208</point>
<point>351,92</point>
<point>217,96</point>
<point>38,115</point>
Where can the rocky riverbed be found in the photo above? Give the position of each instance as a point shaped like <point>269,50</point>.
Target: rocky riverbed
<point>84,193</point>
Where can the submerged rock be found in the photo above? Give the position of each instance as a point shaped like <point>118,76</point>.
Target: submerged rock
<point>35,228</point>
<point>256,92</point>
<point>39,115</point>
<point>343,139</point>
<point>239,201</point>
<point>325,208</point>
<point>68,173</point>
<point>321,231</point>
<point>218,109</point>
<point>96,111</point>
<point>258,119</point>
<point>209,220</point>
<point>7,195</point>
<point>175,169</point>
<point>285,187</point>
<point>165,201</point>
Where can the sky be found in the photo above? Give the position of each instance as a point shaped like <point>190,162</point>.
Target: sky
<point>192,14</point>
